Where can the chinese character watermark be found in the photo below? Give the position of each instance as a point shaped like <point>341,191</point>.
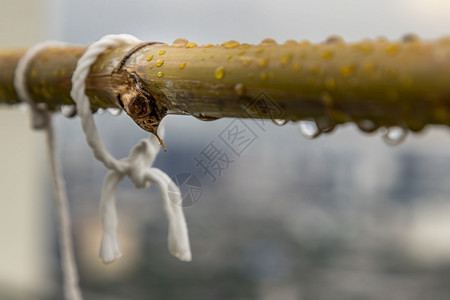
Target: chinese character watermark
<point>221,152</point>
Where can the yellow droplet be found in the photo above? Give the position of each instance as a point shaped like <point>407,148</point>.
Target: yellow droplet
<point>219,73</point>
<point>150,58</point>
<point>211,56</point>
<point>202,59</point>
<point>392,49</point>
<point>179,43</point>
<point>230,44</point>
<point>160,74</point>
<point>326,55</point>
<point>244,46</point>
<point>263,62</point>
<point>241,53</point>
<point>305,43</point>
<point>191,45</point>
<point>245,62</point>
<point>208,45</point>
<point>365,47</point>
<point>260,50</point>
<point>286,59</point>
<point>230,56</point>
<point>296,67</point>
<point>268,42</point>
<point>264,76</point>
<point>347,70</point>
<point>291,43</point>
<point>182,66</point>
<point>159,62</point>
<point>162,52</point>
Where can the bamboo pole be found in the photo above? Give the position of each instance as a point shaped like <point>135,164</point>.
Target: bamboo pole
<point>389,83</point>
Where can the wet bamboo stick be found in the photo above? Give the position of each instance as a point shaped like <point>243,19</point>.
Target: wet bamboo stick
<point>388,83</point>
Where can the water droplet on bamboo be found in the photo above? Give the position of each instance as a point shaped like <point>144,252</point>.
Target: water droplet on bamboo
<point>347,70</point>
<point>182,66</point>
<point>334,39</point>
<point>245,62</point>
<point>410,38</point>
<point>150,57</point>
<point>191,45</point>
<point>230,44</point>
<point>162,52</point>
<point>325,125</point>
<point>392,49</point>
<point>309,129</point>
<point>160,74</point>
<point>305,43</point>
<point>268,42</point>
<point>367,126</point>
<point>263,62</point>
<point>159,62</point>
<point>326,55</point>
<point>286,59</point>
<point>394,135</point>
<point>291,43</point>
<point>219,73</point>
<point>69,111</point>
<point>114,111</point>
<point>280,122</point>
<point>179,43</point>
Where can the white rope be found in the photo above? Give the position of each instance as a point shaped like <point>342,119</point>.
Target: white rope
<point>136,166</point>
<point>41,119</point>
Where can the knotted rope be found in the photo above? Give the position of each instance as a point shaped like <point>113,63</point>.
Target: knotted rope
<point>137,166</point>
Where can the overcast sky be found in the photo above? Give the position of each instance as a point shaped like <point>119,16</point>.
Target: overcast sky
<point>205,21</point>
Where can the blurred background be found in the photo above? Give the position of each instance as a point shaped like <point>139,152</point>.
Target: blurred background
<point>343,216</point>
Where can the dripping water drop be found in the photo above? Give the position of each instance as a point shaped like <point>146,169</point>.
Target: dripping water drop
<point>69,111</point>
<point>280,122</point>
<point>114,111</point>
<point>367,126</point>
<point>309,129</point>
<point>394,135</point>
